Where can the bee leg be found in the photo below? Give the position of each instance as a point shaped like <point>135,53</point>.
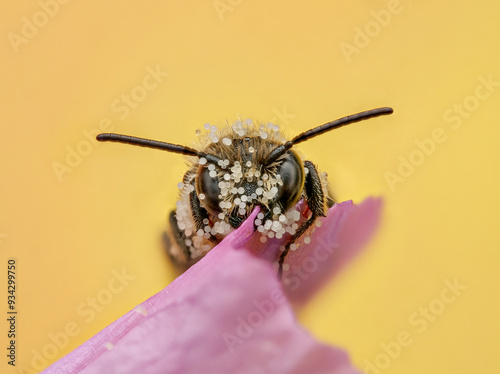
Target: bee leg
<point>317,203</point>
<point>330,200</point>
<point>199,213</point>
<point>175,243</point>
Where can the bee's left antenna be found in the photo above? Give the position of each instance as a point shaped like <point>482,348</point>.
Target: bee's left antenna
<point>156,144</point>
<point>281,149</point>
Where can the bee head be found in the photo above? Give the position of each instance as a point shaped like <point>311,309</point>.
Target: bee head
<point>232,190</point>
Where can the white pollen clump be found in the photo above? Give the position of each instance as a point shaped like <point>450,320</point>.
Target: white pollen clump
<point>206,126</point>
<point>213,173</point>
<point>214,138</point>
<point>140,309</point>
<point>276,210</point>
<point>180,185</point>
<point>202,161</point>
<point>280,224</point>
<point>238,128</point>
<point>227,141</point>
<point>273,127</point>
<point>201,196</point>
<point>251,149</point>
<point>307,240</point>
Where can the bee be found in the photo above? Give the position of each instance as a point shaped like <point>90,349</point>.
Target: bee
<point>237,168</point>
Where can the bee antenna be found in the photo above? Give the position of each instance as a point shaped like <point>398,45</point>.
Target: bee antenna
<point>281,149</point>
<point>155,144</point>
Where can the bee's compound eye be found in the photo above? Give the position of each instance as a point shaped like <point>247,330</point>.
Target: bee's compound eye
<point>292,174</point>
<point>207,187</point>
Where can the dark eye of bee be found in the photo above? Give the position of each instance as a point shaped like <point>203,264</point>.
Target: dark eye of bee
<point>292,175</point>
<point>208,190</point>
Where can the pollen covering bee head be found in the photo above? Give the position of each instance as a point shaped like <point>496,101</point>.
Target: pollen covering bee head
<point>249,168</point>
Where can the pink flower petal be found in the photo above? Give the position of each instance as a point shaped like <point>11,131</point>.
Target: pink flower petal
<point>228,313</point>
<point>342,235</point>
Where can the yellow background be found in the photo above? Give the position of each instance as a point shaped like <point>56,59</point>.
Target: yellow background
<point>256,59</point>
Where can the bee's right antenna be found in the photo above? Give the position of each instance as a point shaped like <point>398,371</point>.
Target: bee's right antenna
<point>155,144</point>
<point>278,151</point>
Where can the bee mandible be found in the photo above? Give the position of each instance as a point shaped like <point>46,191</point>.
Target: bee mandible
<point>235,169</point>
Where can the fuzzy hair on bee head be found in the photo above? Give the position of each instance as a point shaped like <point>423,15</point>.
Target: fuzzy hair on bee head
<point>242,139</point>
<point>242,148</point>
